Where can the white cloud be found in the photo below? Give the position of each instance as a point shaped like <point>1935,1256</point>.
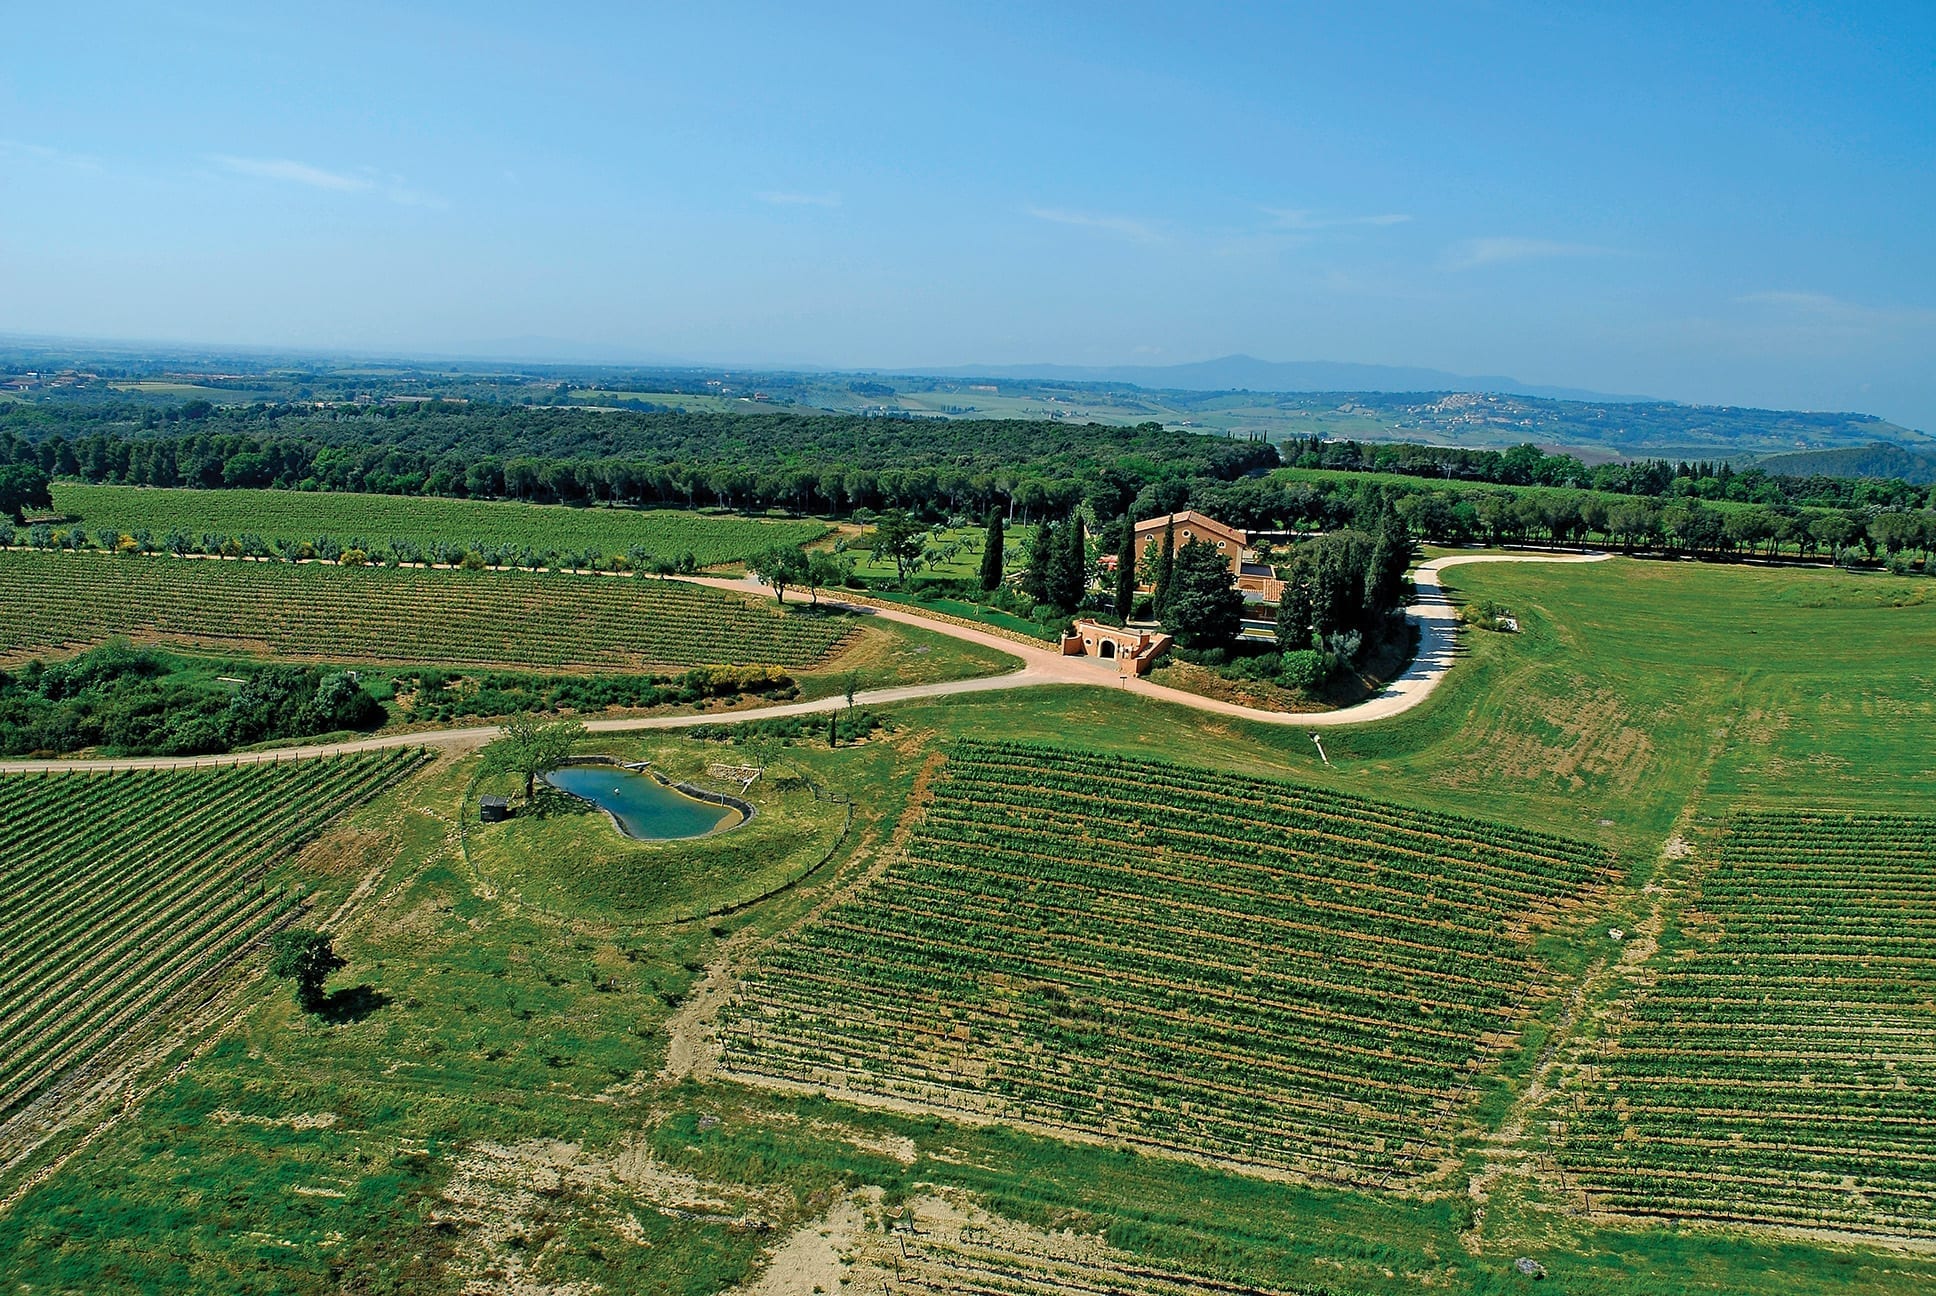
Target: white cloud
<point>1822,310</point>
<point>1472,254</point>
<point>1128,227</point>
<point>286,171</point>
<point>292,172</point>
<point>1298,218</point>
<point>20,150</point>
<point>784,198</point>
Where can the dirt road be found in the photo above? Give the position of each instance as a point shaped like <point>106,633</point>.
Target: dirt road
<point>1434,614</point>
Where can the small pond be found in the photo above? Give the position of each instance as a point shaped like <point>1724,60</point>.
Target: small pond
<point>644,807</point>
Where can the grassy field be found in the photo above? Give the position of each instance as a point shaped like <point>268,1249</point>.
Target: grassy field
<point>954,554</point>
<point>384,519</point>
<point>1634,689</point>
<point>573,862</point>
<point>533,1104</point>
<point>62,601</point>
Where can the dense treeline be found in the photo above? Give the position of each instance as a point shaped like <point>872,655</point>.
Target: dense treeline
<point>1031,470</point>
<point>1528,465</point>
<point>803,463</point>
<point>139,702</point>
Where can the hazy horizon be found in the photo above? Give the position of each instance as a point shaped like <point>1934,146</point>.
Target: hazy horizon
<point>1723,208</point>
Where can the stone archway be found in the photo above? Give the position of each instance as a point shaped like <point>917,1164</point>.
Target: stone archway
<point>1106,649</point>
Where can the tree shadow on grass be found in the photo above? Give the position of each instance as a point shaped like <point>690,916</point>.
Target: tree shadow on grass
<point>352,1004</point>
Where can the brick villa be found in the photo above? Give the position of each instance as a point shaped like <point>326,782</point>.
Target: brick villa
<point>1257,580</point>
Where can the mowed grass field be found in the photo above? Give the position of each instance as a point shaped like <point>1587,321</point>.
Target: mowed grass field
<point>65,601</point>
<point>384,519</point>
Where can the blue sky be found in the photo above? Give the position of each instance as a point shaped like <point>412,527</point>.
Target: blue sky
<point>1731,205</point>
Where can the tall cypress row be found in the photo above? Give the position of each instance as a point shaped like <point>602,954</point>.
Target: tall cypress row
<point>1074,573</point>
<point>991,554</point>
<point>1126,569</point>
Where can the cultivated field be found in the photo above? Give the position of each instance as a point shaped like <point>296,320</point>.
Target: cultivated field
<point>117,891</point>
<point>385,519</point>
<point>59,601</point>
<point>537,1104</point>
<point>1780,1067</point>
<point>1244,969</point>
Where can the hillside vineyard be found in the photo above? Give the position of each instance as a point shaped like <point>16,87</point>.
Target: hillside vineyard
<point>117,891</point>
<point>1782,1069</point>
<point>1232,967</point>
<point>395,614</point>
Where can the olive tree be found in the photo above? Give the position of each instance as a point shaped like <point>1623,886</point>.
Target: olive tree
<point>306,957</point>
<point>531,747</point>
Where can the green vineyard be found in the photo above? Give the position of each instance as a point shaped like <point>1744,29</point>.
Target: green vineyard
<point>69,600</point>
<point>424,520</point>
<point>1175,957</point>
<point>119,890</point>
<point>1782,1067</point>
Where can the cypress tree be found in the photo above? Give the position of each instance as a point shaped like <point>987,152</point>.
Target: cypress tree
<point>1072,568</point>
<point>1165,567</point>
<point>1039,578</point>
<point>991,554</point>
<point>1391,555</point>
<point>1126,569</point>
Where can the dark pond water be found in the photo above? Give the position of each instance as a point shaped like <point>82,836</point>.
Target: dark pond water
<point>644,807</point>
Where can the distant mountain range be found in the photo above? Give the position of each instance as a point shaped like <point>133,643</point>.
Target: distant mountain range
<point>1248,373</point>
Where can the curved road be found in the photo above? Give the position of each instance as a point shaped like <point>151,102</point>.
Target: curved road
<point>1433,613</point>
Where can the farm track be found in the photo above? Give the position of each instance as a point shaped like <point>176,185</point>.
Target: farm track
<point>1434,613</point>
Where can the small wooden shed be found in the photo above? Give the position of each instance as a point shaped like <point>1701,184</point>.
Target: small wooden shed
<point>493,809</point>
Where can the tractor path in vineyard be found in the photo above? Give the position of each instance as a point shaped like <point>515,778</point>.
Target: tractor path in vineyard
<point>1433,613</point>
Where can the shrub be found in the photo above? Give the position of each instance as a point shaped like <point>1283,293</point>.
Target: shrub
<point>1306,669</point>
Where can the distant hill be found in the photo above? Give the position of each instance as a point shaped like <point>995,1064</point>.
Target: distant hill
<point>1248,373</point>
<point>1882,459</point>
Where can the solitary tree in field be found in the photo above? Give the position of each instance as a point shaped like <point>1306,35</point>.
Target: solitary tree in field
<point>991,554</point>
<point>823,569</point>
<point>778,567</point>
<point>304,956</point>
<point>23,486</point>
<point>531,747</point>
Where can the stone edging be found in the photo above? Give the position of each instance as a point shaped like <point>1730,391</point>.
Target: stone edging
<point>745,808</point>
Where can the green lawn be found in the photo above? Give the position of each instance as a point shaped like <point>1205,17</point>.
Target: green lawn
<point>569,859</point>
<point>956,554</point>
